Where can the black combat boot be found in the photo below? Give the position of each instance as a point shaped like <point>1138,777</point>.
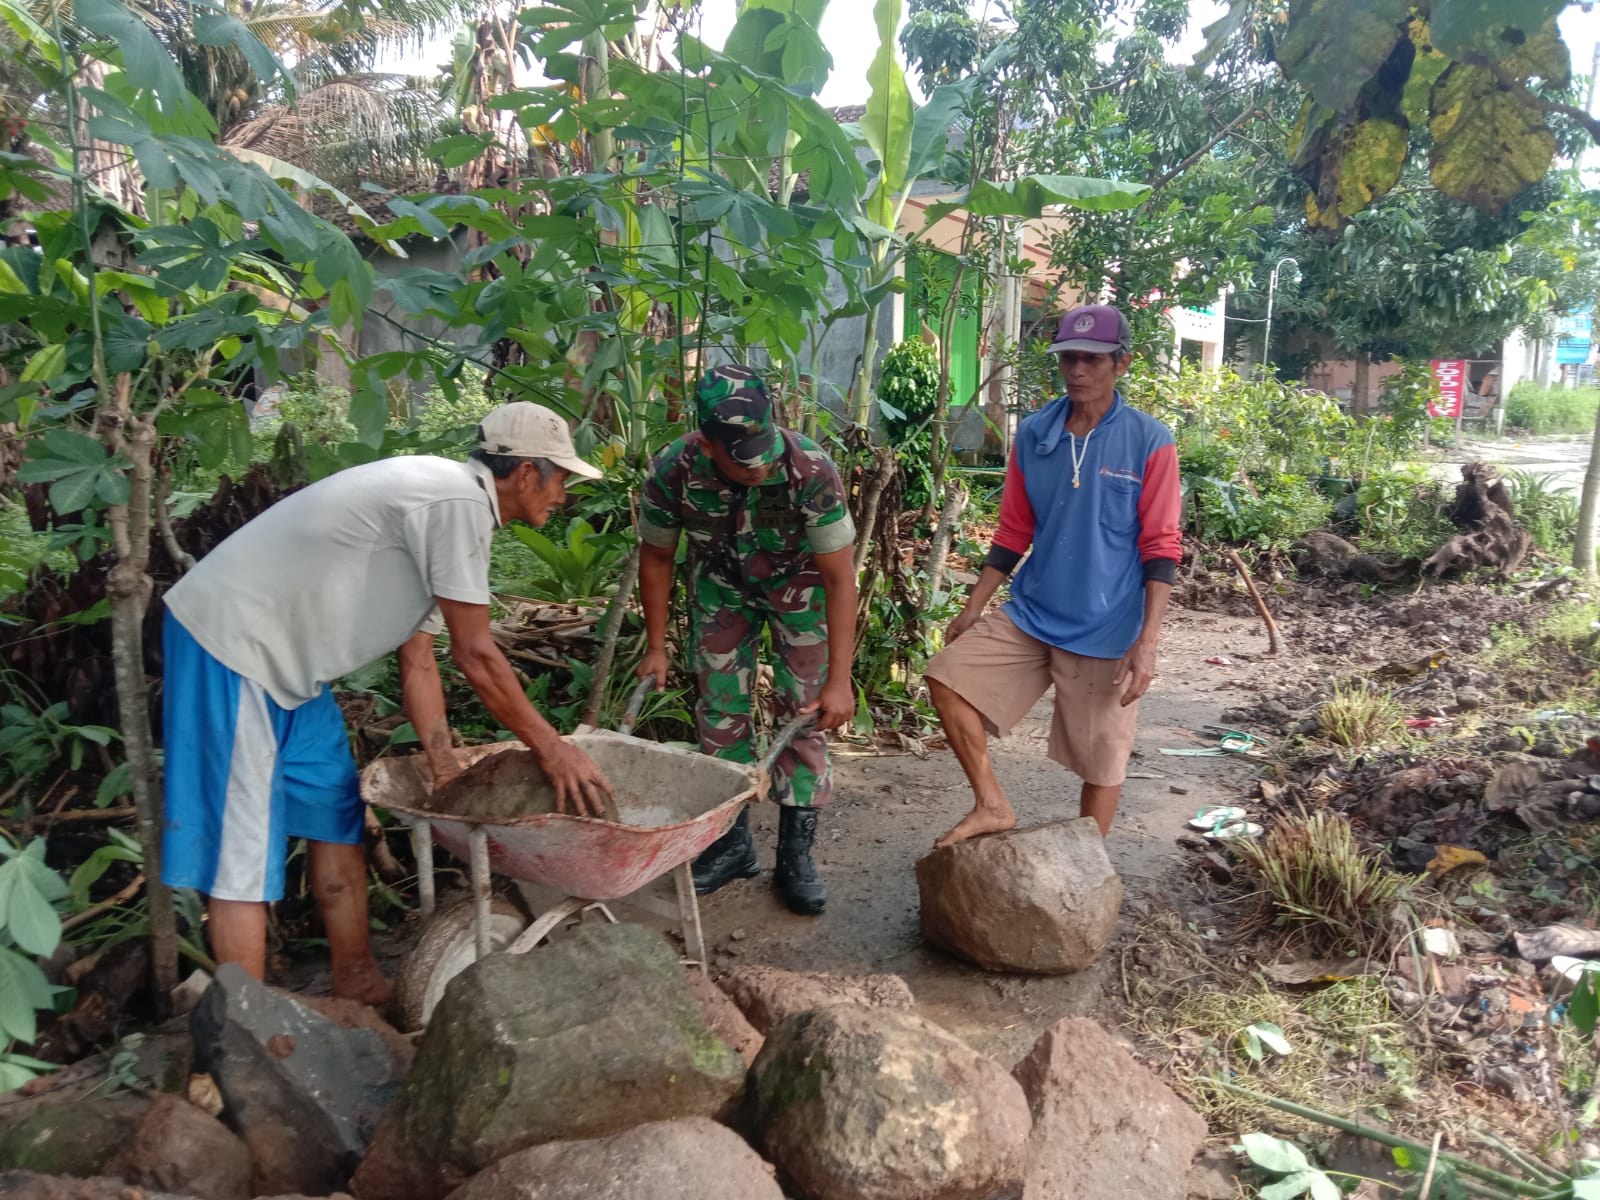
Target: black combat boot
<point>796,877</point>
<point>732,856</point>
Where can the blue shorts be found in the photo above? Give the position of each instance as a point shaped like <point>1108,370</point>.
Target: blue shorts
<point>244,775</point>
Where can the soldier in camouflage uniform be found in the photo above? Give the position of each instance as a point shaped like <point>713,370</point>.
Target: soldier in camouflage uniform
<point>769,546</point>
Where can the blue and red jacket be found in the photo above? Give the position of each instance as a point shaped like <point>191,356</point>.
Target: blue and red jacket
<point>1082,588</point>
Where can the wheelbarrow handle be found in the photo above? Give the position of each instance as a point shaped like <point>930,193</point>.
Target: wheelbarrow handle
<point>786,735</point>
<point>636,703</point>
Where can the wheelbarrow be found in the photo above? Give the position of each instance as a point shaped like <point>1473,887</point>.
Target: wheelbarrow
<point>669,805</point>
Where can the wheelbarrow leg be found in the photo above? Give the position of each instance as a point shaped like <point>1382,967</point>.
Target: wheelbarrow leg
<point>689,912</point>
<point>482,891</point>
<point>422,851</point>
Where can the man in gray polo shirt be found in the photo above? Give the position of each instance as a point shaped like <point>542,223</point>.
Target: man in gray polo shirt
<point>373,559</point>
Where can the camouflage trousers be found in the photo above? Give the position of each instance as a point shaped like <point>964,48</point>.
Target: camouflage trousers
<point>725,624</point>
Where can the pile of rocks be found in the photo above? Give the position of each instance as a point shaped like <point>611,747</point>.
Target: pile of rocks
<point>595,1069</point>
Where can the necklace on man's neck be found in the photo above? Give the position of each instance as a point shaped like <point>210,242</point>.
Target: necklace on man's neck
<point>1077,459</point>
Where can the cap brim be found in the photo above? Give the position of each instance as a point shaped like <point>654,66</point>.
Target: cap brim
<point>578,467</point>
<point>1085,344</point>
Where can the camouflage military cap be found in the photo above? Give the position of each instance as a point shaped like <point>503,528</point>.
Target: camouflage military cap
<point>736,412</point>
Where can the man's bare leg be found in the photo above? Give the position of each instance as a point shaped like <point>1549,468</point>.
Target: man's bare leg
<point>238,930</point>
<point>963,729</point>
<point>1100,802</point>
<point>339,882</point>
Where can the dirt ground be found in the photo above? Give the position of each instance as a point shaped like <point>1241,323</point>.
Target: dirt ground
<point>888,809</point>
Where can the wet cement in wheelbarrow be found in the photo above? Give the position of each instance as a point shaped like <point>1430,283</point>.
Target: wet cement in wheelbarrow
<point>662,790</point>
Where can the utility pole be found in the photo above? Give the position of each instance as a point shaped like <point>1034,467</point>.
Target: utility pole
<point>1272,290</point>
<point>1583,542</point>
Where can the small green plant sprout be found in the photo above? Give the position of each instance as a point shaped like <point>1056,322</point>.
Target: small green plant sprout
<point>1297,1177</point>
<point>586,567</point>
<point>1261,1037</point>
<point>1583,1008</point>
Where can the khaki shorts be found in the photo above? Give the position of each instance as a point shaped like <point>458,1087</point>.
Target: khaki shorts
<point>1002,672</point>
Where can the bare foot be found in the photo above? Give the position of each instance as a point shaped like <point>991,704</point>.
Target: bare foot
<point>979,821</point>
<point>363,982</point>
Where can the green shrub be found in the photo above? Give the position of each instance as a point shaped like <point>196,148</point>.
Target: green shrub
<point>1244,425</point>
<point>1272,510</point>
<point>1402,512</point>
<point>438,416</point>
<point>319,410</point>
<point>1537,409</point>
<point>1551,516</point>
<point>908,394</point>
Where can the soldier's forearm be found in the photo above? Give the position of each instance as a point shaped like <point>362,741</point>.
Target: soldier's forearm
<point>655,593</point>
<point>839,586</point>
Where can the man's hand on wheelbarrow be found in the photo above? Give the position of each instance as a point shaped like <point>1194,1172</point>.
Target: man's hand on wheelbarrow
<point>580,786</point>
<point>443,769</point>
<point>835,705</point>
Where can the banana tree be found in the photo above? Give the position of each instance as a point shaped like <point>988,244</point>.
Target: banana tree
<point>910,144</point>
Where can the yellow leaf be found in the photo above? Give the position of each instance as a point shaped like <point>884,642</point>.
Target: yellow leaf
<point>1447,858</point>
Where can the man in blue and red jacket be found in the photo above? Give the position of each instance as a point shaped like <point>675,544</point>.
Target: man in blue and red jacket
<point>1092,490</point>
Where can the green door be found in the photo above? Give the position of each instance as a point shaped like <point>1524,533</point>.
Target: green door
<point>929,280</point>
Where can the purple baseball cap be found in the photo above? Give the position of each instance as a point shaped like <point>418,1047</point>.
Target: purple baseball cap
<point>1095,327</point>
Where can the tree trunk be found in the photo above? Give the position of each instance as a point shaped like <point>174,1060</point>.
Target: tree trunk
<point>597,86</point>
<point>111,170</point>
<point>939,548</point>
<point>129,586</point>
<point>883,469</point>
<point>861,394</point>
<point>940,449</point>
<point>1583,543</point>
<point>610,631</point>
<point>1360,394</point>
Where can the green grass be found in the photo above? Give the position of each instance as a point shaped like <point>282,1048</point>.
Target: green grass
<point>1358,716</point>
<point>1316,881</point>
<point>1536,409</point>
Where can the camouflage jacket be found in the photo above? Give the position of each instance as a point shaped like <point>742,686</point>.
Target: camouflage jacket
<point>762,536</point>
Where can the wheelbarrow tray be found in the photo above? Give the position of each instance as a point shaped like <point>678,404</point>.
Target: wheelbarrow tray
<point>672,803</point>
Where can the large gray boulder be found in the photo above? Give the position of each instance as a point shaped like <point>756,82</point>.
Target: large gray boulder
<point>664,1160</point>
<point>578,1039</point>
<point>855,1103</point>
<point>1042,900</point>
<point>1102,1124</point>
<point>303,1093</point>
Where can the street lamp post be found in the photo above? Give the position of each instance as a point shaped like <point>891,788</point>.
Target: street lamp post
<point>1272,288</point>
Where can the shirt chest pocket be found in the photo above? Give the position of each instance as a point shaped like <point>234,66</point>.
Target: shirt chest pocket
<point>710,514</point>
<point>1119,508</point>
<point>778,513</point>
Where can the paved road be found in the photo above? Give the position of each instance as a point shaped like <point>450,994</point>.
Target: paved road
<point>1564,458</point>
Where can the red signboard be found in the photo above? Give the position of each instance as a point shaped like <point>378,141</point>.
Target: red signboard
<point>1451,376</point>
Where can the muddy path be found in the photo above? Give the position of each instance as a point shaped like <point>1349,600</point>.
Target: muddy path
<point>887,811</point>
